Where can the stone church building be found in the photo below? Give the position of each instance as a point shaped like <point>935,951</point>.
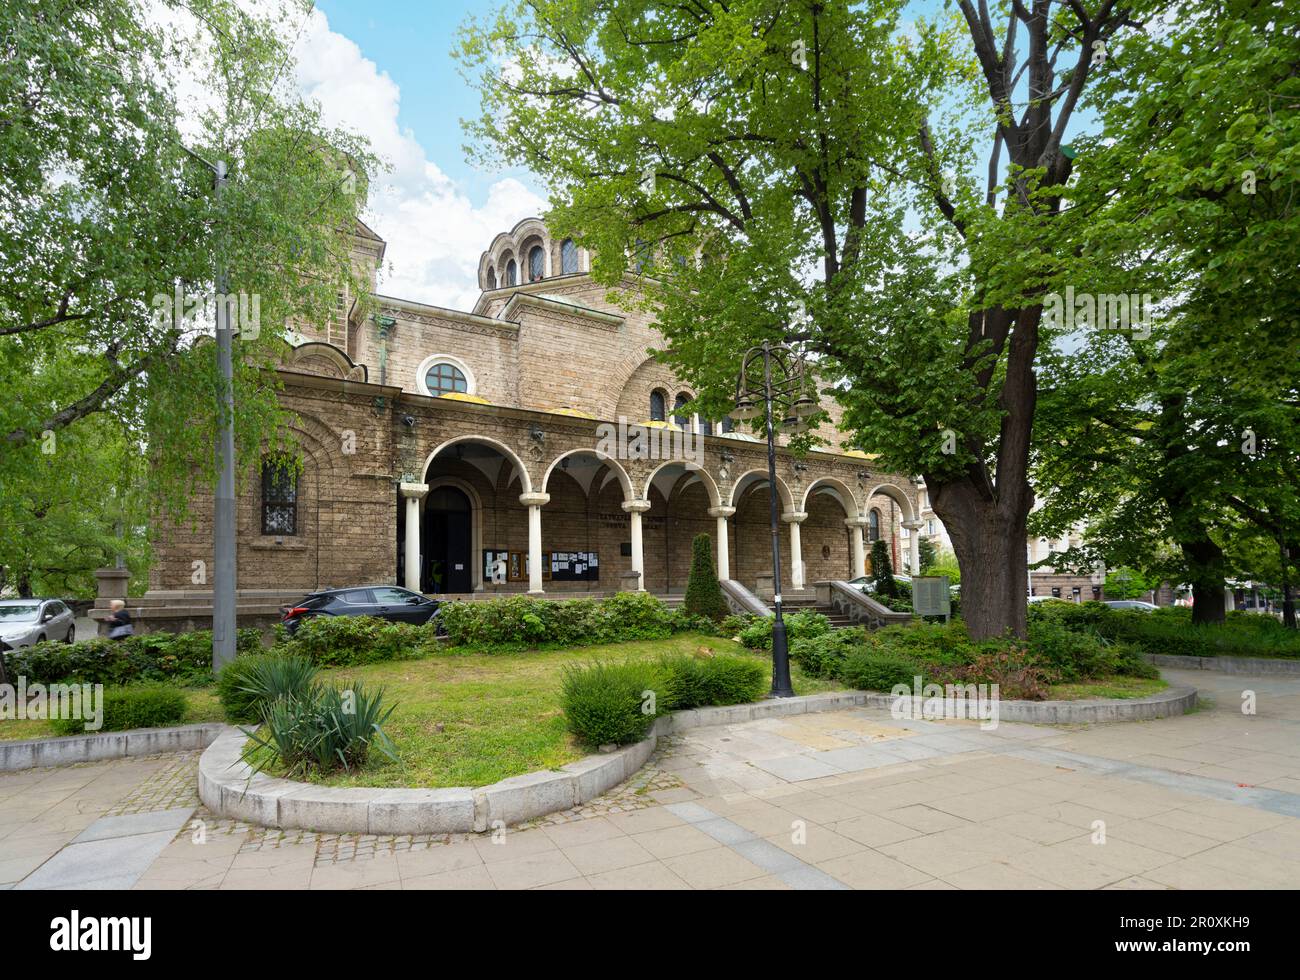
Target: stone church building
<point>458,452</point>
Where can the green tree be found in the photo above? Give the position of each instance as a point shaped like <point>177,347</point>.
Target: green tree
<point>1127,583</point>
<point>927,554</point>
<point>703,593</point>
<point>1167,438</point>
<point>882,570</point>
<point>110,222</point>
<point>797,171</point>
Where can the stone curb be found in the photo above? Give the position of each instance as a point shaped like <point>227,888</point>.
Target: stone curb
<point>229,789</point>
<point>37,753</point>
<point>1228,665</point>
<point>1165,704</point>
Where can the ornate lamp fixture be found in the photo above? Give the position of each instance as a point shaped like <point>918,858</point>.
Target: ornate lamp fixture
<point>775,383</point>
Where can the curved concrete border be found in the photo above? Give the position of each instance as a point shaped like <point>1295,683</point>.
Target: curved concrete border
<point>1174,700</point>
<point>35,753</point>
<point>1228,665</point>
<point>228,787</point>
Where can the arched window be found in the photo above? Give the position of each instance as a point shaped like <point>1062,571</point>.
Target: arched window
<point>683,419</point>
<point>658,409</point>
<point>512,273</point>
<point>491,278</point>
<point>536,264</point>
<point>444,378</point>
<point>279,496</point>
<point>873,525</point>
<point>568,257</point>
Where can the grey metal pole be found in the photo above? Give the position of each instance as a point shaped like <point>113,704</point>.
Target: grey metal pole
<point>223,525</point>
<point>781,686</point>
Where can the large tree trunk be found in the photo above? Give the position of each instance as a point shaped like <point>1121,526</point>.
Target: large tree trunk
<point>1208,582</point>
<point>989,539</point>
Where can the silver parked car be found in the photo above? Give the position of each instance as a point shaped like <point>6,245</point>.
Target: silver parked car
<point>27,621</point>
<point>1131,605</point>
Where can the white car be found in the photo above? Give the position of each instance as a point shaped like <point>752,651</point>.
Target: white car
<point>1131,604</point>
<point>24,622</point>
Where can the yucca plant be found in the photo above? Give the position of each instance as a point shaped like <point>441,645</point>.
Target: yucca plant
<point>320,730</point>
<point>252,682</point>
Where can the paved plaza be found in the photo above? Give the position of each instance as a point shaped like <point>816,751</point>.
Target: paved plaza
<point>845,799</point>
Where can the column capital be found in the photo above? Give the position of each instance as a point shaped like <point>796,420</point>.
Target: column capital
<point>794,516</point>
<point>534,499</point>
<point>635,506</point>
<point>858,521</point>
<point>722,511</point>
<point>418,491</point>
<point>913,525</point>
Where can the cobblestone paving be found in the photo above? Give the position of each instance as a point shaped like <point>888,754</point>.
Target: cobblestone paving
<point>171,787</point>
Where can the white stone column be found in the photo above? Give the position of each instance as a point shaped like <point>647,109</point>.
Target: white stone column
<point>794,518</point>
<point>914,532</point>
<point>855,525</point>
<point>634,509</point>
<point>724,545</point>
<point>413,493</point>
<point>535,502</point>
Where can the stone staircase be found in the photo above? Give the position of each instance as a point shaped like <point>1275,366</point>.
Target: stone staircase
<point>808,603</point>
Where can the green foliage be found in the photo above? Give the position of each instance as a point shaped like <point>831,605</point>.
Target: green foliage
<point>693,682</point>
<point>703,593</point>
<point>680,621</point>
<point>1019,674</point>
<point>822,654</point>
<point>734,625</point>
<point>522,622</point>
<point>247,684</point>
<point>929,555</point>
<point>610,703</point>
<point>321,730</point>
<point>348,641</point>
<point>145,656</point>
<point>758,634</point>
<point>872,670</point>
<point>153,705</point>
<point>882,571</point>
<point>107,216</point>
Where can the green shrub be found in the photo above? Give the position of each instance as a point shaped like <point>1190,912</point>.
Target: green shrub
<point>325,729</point>
<point>822,654</point>
<point>703,593</point>
<point>522,622</point>
<point>608,703</point>
<point>146,657</point>
<point>734,625</point>
<point>693,682</point>
<point>882,571</point>
<point>758,634</point>
<point>246,685</point>
<point>873,671</point>
<point>151,705</point>
<point>349,641</point>
<point>680,621</point>
<point>1019,674</point>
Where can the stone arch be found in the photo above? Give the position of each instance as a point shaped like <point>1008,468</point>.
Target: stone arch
<point>846,495</point>
<point>325,360</point>
<point>615,467</point>
<point>710,485</point>
<point>525,478</point>
<point>783,491</point>
<point>898,496</point>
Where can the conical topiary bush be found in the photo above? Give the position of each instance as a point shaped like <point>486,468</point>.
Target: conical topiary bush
<point>703,593</point>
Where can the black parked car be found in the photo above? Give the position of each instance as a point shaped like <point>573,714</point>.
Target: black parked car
<point>384,601</point>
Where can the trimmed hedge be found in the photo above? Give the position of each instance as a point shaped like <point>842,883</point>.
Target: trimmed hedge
<point>150,656</point>
<point>694,682</point>
<point>350,641</point>
<point>703,593</point>
<point>151,705</point>
<point>523,622</point>
<point>610,703</point>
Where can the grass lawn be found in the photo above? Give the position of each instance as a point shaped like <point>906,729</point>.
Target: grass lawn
<point>203,706</point>
<point>1107,687</point>
<point>469,719</point>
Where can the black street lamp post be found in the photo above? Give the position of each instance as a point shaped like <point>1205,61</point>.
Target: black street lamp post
<point>787,387</point>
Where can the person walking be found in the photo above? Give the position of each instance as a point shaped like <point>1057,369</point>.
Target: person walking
<point>119,621</point>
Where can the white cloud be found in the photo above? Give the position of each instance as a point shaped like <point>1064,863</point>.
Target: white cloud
<point>435,233</point>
